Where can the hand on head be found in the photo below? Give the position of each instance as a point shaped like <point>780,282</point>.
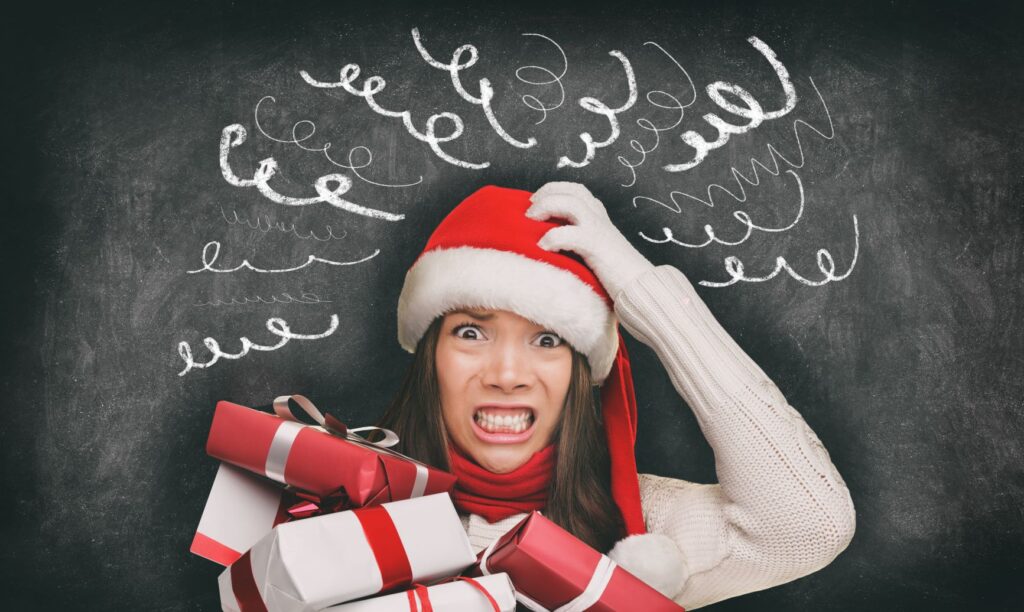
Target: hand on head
<point>590,234</point>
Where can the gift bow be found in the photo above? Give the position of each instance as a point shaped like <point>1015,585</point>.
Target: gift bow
<point>304,505</point>
<point>329,423</point>
<point>420,593</point>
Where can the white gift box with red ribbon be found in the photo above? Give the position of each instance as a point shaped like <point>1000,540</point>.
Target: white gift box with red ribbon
<point>492,593</point>
<point>325,560</point>
<point>241,509</point>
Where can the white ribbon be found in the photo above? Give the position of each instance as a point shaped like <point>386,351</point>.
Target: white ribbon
<point>595,588</point>
<point>419,486</point>
<point>590,595</point>
<point>282,410</point>
<point>280,446</point>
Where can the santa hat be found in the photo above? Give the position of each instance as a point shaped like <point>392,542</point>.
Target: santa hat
<point>485,254</point>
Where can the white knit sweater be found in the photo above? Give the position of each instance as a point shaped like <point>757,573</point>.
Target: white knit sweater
<point>780,509</point>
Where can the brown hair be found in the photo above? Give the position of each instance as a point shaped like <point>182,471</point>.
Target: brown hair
<point>579,498</point>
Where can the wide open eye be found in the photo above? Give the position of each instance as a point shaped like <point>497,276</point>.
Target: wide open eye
<point>467,331</point>
<point>550,340</point>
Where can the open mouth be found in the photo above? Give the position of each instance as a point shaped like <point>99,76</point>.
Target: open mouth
<point>504,420</point>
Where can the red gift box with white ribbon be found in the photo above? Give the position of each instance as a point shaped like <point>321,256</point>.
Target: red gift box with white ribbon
<point>553,571</point>
<point>319,460</point>
<point>308,565</point>
<point>487,594</point>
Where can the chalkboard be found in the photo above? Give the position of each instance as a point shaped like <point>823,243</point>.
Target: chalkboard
<point>209,201</point>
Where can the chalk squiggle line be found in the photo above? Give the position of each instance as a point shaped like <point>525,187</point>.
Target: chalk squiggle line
<point>600,108</point>
<point>734,267</point>
<point>755,180</point>
<point>454,67</point>
<point>209,261</point>
<point>280,226</point>
<point>295,140</point>
<point>751,110</point>
<point>740,216</point>
<point>374,85</point>
<point>648,125</point>
<point>329,187</point>
<point>277,326</point>
<point>307,297</point>
<point>532,101</point>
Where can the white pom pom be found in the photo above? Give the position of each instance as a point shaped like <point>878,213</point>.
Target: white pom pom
<point>653,558</point>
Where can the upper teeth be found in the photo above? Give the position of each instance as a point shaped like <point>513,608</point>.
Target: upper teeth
<point>515,422</point>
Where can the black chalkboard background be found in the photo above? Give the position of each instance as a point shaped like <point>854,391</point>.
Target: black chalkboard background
<point>908,368</point>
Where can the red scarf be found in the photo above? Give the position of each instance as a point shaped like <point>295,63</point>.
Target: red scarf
<point>497,496</point>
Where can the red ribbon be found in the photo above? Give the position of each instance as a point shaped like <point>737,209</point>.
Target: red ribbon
<point>243,585</point>
<point>381,535</point>
<point>387,547</point>
<point>420,592</point>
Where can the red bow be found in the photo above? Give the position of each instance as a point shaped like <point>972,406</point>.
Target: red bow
<point>300,505</point>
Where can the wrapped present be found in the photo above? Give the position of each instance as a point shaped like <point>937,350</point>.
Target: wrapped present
<point>553,570</point>
<point>487,594</point>
<point>240,510</point>
<point>330,559</point>
<point>243,507</point>
<point>319,460</point>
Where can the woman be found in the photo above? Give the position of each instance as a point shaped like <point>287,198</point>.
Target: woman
<point>511,332</point>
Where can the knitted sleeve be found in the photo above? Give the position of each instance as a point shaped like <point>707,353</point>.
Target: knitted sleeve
<point>780,509</point>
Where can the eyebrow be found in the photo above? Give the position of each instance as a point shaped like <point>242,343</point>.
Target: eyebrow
<point>479,316</point>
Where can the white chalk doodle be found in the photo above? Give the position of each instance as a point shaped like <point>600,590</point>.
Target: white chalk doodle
<point>648,125</point>
<point>534,102</point>
<point>454,67</point>
<point>827,266</point>
<point>276,326</point>
<point>741,216</point>
<point>306,297</point>
<point>325,148</point>
<point>752,110</point>
<point>211,258</point>
<point>374,85</point>
<point>329,187</point>
<point>772,166</point>
<point>264,224</point>
<point>611,114</point>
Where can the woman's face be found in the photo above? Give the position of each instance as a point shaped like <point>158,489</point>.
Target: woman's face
<point>503,382</point>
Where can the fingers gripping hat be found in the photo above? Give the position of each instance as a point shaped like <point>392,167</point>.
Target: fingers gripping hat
<point>484,254</point>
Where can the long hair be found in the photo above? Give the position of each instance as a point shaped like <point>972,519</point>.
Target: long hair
<point>579,498</point>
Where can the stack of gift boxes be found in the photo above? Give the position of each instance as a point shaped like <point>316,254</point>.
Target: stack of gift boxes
<point>318,518</point>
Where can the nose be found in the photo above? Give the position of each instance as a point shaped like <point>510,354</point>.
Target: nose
<point>508,368</point>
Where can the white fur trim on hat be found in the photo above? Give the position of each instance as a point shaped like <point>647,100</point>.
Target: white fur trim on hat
<point>445,279</point>
<point>654,558</point>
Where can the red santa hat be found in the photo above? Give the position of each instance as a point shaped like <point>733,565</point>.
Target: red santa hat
<point>484,254</point>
